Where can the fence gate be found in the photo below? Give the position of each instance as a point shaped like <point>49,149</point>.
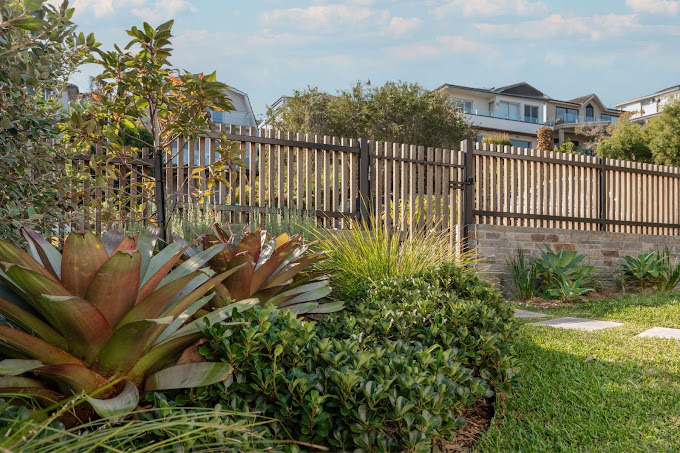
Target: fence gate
<point>413,187</point>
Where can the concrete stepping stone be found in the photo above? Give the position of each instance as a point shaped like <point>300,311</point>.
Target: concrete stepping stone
<point>529,314</point>
<point>578,323</point>
<point>660,332</point>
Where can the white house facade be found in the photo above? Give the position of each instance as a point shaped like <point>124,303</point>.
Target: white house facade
<point>645,107</point>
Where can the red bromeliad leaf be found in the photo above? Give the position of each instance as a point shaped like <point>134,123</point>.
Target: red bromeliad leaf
<point>128,344</point>
<point>70,378</point>
<point>128,244</point>
<point>31,323</point>
<point>154,304</point>
<point>293,269</point>
<point>181,305</point>
<point>161,355</point>
<point>114,289</point>
<point>252,244</point>
<point>11,254</point>
<point>111,239</point>
<point>188,375</point>
<point>266,270</point>
<point>83,255</point>
<point>238,284</point>
<point>152,283</point>
<point>41,248</point>
<point>34,284</point>
<point>81,323</point>
<point>34,347</point>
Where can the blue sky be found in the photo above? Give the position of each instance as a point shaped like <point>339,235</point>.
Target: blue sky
<point>619,49</point>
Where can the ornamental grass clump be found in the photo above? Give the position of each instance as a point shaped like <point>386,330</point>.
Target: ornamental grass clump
<point>368,253</point>
<point>105,317</point>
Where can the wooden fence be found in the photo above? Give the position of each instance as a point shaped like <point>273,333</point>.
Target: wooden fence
<point>406,186</point>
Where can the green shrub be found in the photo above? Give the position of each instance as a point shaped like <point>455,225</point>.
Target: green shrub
<point>561,274</point>
<point>523,276</point>
<point>367,254</point>
<point>651,269</point>
<point>391,376</point>
<point>497,139</point>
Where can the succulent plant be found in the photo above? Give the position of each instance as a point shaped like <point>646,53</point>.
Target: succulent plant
<point>269,269</point>
<point>104,316</point>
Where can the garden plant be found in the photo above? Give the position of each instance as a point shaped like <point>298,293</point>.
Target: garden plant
<point>104,316</point>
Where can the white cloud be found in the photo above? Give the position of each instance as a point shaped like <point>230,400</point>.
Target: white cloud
<point>162,10</point>
<point>443,45</point>
<point>148,10</point>
<point>555,25</point>
<point>491,8</point>
<point>400,26</point>
<point>654,6</point>
<point>322,16</point>
<point>459,44</point>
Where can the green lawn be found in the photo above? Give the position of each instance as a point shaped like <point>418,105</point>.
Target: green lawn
<point>596,391</point>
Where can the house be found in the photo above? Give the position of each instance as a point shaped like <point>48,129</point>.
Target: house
<point>567,116</point>
<point>645,107</point>
<point>520,110</point>
<point>242,115</point>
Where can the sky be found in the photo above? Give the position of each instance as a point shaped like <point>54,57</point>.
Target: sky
<point>618,49</point>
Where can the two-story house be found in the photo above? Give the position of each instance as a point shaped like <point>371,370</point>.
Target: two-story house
<point>520,110</point>
<point>645,107</point>
<point>242,115</point>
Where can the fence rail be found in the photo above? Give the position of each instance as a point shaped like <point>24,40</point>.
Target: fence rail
<point>406,186</point>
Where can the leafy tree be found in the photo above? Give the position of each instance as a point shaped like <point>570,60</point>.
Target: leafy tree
<point>568,147</point>
<point>626,141</point>
<point>397,111</point>
<point>38,52</point>
<point>143,100</point>
<point>663,135</point>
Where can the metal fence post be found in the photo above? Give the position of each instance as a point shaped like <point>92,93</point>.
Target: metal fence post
<point>364,180</point>
<point>603,194</point>
<point>159,175</point>
<point>468,192</point>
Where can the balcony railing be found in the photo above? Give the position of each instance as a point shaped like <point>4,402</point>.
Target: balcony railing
<point>520,119</point>
<point>578,119</point>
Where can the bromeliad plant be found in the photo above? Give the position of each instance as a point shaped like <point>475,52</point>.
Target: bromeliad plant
<point>269,269</point>
<point>104,316</point>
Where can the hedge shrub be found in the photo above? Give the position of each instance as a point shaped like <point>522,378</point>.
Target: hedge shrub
<point>393,374</point>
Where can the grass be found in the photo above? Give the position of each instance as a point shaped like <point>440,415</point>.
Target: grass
<point>367,254</point>
<point>596,391</point>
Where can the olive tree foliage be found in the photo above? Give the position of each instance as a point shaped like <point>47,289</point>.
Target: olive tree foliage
<point>143,100</point>
<point>38,52</point>
<point>396,111</point>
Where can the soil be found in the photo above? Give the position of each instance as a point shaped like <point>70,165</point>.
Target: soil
<point>477,420</point>
<point>539,302</point>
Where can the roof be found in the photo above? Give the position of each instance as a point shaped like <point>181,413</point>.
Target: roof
<point>524,90</point>
<point>664,91</point>
<point>582,99</point>
<point>521,89</point>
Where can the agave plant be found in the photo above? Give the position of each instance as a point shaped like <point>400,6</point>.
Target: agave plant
<point>104,316</point>
<point>269,269</point>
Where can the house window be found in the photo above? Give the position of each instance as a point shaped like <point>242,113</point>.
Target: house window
<point>566,115</point>
<point>463,104</point>
<point>531,114</point>
<point>590,113</point>
<point>217,117</point>
<point>508,110</point>
<point>610,118</point>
